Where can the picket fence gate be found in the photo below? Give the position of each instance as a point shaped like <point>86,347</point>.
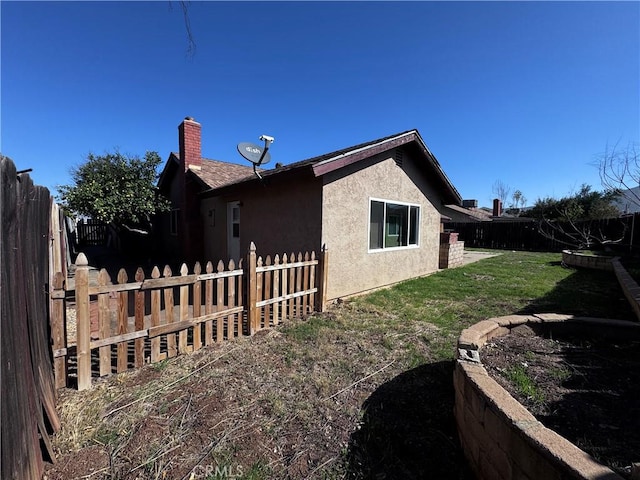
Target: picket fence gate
<point>127,324</point>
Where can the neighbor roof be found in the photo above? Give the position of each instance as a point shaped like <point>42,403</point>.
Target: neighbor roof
<point>328,162</point>
<point>473,212</point>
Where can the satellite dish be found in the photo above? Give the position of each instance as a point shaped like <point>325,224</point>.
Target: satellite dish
<point>254,153</point>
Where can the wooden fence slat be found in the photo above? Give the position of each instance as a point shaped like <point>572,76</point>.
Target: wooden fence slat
<point>284,275</point>
<point>231,300</point>
<point>220,304</point>
<point>292,286</point>
<point>197,307</point>
<point>276,290</point>
<point>305,285</point>
<point>259,283</point>
<point>155,318</point>
<point>184,312</point>
<point>139,321</point>
<point>104,323</point>
<point>240,299</point>
<point>252,311</point>
<point>298,301</point>
<point>123,306</point>
<point>168,312</point>
<point>208,306</point>
<point>266,293</point>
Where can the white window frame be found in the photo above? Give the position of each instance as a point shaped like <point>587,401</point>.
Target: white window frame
<point>384,223</point>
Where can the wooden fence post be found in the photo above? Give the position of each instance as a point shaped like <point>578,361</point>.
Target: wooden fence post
<point>83,322</point>
<point>252,284</point>
<point>322,279</point>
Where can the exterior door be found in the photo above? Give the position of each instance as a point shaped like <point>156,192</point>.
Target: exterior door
<point>233,231</point>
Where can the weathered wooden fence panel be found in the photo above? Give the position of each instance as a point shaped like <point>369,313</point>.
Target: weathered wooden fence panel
<point>525,234</point>
<point>92,232</point>
<point>171,315</point>
<point>27,395</point>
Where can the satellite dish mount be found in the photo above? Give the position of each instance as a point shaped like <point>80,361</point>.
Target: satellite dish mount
<point>255,154</point>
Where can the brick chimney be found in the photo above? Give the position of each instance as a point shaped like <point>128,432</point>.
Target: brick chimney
<point>190,144</point>
<point>497,207</point>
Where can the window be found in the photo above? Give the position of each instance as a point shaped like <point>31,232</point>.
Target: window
<point>393,225</point>
<point>173,221</point>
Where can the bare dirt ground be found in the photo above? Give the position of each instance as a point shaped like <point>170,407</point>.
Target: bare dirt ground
<point>322,398</point>
<point>585,389</point>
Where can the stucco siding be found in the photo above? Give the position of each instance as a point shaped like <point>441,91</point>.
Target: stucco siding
<point>280,216</point>
<point>345,224</point>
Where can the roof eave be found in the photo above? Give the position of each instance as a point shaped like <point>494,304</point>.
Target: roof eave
<point>348,158</point>
<point>171,161</point>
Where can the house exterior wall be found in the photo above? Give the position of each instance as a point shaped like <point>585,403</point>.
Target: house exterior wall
<point>279,216</point>
<point>345,224</point>
<point>169,244</point>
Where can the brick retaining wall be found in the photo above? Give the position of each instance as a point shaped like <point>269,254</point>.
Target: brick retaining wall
<point>451,251</point>
<point>499,437</point>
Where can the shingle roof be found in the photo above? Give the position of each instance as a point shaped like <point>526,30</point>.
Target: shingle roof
<point>213,173</point>
<point>476,213</point>
<point>218,174</point>
<point>333,160</point>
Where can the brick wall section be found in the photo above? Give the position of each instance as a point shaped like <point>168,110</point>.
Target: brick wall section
<point>628,284</point>
<point>500,438</point>
<point>451,251</point>
<point>189,138</point>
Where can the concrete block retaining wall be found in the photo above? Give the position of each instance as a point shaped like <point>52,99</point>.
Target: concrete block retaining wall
<point>500,438</point>
<point>581,260</point>
<point>628,284</point>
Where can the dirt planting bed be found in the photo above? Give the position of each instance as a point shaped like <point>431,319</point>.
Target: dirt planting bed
<point>584,387</point>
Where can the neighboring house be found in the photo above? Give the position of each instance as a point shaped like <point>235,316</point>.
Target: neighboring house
<point>628,201</point>
<point>377,206</point>
<point>470,213</point>
<point>180,233</point>
<point>458,214</point>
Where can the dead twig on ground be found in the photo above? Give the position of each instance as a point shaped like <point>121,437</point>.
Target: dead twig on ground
<point>122,407</point>
<point>360,380</point>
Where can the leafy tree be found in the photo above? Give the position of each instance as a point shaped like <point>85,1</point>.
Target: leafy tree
<point>573,219</point>
<point>116,189</point>
<point>586,204</point>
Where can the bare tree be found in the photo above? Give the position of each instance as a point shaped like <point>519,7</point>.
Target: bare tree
<point>620,170</point>
<point>501,191</point>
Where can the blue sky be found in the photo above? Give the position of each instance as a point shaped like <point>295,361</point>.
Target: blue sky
<point>527,93</point>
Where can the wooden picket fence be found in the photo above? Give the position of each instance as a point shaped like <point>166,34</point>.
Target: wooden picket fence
<point>148,320</point>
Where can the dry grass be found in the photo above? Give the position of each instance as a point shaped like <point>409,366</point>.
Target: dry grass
<point>282,404</point>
